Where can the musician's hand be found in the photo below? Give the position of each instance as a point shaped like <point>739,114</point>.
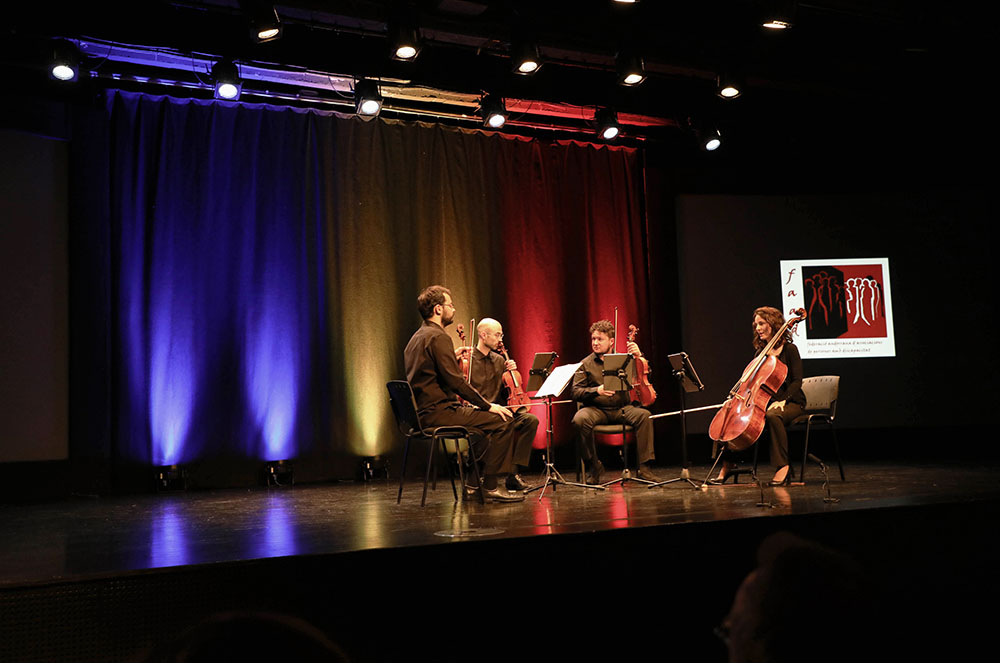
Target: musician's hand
<point>601,391</point>
<point>633,349</point>
<point>511,365</point>
<point>504,413</point>
<point>463,352</point>
<point>776,406</point>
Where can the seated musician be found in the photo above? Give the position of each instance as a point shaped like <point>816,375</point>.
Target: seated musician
<point>607,407</point>
<point>436,380</point>
<point>789,401</point>
<point>486,376</point>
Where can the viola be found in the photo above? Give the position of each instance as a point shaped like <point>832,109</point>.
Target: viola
<point>516,397</point>
<point>740,421</point>
<point>642,390</point>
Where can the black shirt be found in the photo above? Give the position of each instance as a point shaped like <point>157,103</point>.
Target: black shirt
<point>433,372</point>
<point>588,379</point>
<point>487,374</point>
<point>791,389</point>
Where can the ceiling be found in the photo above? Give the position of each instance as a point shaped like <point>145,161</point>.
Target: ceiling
<point>848,69</point>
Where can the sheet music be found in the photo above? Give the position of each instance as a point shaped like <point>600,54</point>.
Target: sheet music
<point>557,380</point>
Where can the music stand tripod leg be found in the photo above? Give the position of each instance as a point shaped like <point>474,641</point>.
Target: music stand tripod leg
<point>552,475</point>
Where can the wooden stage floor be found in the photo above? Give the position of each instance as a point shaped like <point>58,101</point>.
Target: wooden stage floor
<point>80,574</point>
<point>86,537</point>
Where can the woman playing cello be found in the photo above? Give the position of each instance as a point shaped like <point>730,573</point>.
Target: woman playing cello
<point>789,401</point>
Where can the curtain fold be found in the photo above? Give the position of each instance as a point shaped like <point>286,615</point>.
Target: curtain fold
<point>266,261</point>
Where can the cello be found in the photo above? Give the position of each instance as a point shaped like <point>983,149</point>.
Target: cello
<point>512,380</point>
<point>740,421</point>
<point>642,391</point>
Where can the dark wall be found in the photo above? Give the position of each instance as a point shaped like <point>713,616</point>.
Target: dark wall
<point>728,253</point>
<point>33,298</point>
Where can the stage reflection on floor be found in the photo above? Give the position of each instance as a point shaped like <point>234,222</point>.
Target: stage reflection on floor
<point>102,536</point>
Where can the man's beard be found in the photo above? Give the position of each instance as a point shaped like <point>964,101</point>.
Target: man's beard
<point>447,321</point>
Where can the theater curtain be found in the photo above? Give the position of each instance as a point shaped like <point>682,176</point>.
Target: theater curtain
<point>264,264</point>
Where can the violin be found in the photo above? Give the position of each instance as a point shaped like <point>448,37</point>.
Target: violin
<point>516,397</point>
<point>465,362</point>
<point>642,390</point>
<point>740,421</point>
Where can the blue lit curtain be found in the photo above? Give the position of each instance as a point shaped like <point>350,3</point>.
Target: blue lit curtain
<point>217,212</point>
<point>264,264</point>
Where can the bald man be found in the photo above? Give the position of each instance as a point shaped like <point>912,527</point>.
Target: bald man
<point>486,376</point>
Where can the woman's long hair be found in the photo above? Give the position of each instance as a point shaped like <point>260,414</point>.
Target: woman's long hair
<point>773,317</point>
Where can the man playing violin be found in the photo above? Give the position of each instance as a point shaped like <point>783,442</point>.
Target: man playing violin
<point>607,407</point>
<point>436,380</point>
<point>486,376</point>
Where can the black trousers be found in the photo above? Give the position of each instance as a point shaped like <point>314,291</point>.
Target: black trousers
<point>525,426</point>
<point>587,417</point>
<point>492,437</point>
<point>777,420</point>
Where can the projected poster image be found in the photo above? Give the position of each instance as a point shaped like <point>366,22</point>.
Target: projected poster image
<point>848,306</point>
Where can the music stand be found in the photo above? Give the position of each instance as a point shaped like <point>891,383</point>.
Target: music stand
<point>688,382</point>
<point>541,367</point>
<point>554,384</point>
<point>619,373</point>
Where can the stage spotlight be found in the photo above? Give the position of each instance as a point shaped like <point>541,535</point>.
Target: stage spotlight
<point>779,14</point>
<point>278,473</point>
<point>606,121</point>
<point>170,478</point>
<point>226,78</point>
<point>373,468</point>
<point>524,58</point>
<point>629,68</point>
<point>367,100</point>
<point>711,139</point>
<point>65,63</point>
<point>404,40</point>
<point>728,86</point>
<point>265,24</point>
<point>493,111</point>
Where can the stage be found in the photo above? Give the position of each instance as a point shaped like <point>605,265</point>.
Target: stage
<point>107,578</point>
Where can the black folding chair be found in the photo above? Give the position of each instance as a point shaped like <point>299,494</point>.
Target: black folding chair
<point>821,408</point>
<point>404,408</point>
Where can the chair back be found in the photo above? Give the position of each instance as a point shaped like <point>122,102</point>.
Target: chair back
<point>404,407</point>
<point>821,394</point>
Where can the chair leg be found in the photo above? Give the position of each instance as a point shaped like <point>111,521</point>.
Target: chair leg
<point>475,472</point>
<point>447,462</point>
<point>427,475</point>
<point>460,461</point>
<point>402,470</point>
<point>805,453</point>
<point>836,448</point>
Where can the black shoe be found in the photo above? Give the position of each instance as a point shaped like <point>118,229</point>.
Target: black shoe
<point>499,494</point>
<point>515,482</point>
<point>647,474</point>
<point>784,482</point>
<point>594,475</point>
